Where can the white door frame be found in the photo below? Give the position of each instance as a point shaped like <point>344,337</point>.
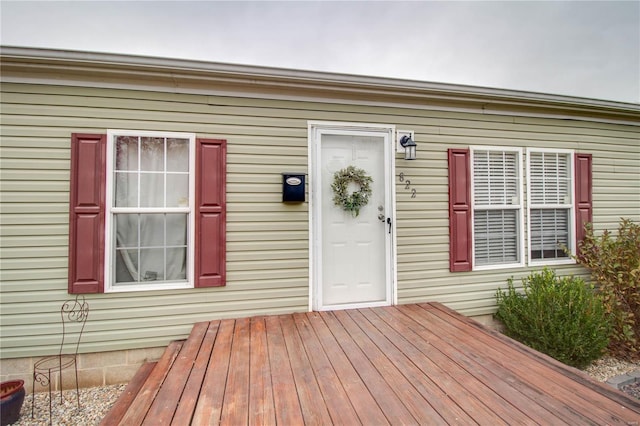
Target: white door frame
<point>315,131</point>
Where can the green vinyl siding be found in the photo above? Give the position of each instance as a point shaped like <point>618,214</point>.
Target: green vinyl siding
<point>267,241</point>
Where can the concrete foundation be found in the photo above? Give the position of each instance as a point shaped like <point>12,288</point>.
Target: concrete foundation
<point>94,369</point>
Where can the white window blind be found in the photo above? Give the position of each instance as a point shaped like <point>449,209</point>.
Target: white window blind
<point>550,204</point>
<point>497,207</point>
<point>496,178</point>
<point>496,236</point>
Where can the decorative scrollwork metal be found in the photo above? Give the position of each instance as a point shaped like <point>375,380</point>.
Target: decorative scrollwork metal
<point>76,310</point>
<point>74,315</point>
<point>41,378</point>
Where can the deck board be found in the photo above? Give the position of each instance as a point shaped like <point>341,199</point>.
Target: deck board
<point>417,395</point>
<point>314,409</point>
<point>189,399</point>
<point>354,380</point>
<point>261,403</point>
<point>164,405</point>
<point>489,388</point>
<point>537,375</point>
<point>141,404</point>
<point>406,364</point>
<point>209,405</point>
<point>436,365</point>
<point>361,399</point>
<point>119,409</point>
<point>285,395</point>
<point>506,383</point>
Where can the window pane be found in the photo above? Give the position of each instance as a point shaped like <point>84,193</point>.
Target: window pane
<point>152,158</point>
<point>152,264</point>
<point>176,229</point>
<point>150,173</point>
<point>176,264</point>
<point>549,233</point>
<point>157,242</point>
<point>549,176</point>
<point>126,230</point>
<point>151,190</point>
<point>177,190</point>
<point>126,189</point>
<point>495,178</point>
<point>177,155</point>
<point>126,153</point>
<point>152,230</point>
<point>126,269</point>
<point>496,236</point>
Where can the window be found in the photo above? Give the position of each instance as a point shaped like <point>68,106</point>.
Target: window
<point>150,222</point>
<point>147,212</point>
<point>550,205</point>
<point>486,206</point>
<point>497,207</point>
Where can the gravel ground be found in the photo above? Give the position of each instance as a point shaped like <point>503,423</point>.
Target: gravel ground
<point>605,368</point>
<point>95,402</point>
<point>633,389</point>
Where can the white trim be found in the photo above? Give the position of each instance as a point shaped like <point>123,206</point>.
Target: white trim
<point>316,129</point>
<point>111,60</point>
<point>90,69</point>
<point>571,238</point>
<point>109,210</point>
<point>352,306</point>
<point>520,207</point>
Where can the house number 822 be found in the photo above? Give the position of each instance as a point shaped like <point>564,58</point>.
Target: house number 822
<point>407,185</point>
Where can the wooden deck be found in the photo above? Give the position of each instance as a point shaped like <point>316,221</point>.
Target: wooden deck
<point>409,364</point>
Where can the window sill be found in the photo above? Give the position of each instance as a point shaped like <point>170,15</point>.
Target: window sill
<point>551,262</point>
<point>149,287</point>
<point>495,267</point>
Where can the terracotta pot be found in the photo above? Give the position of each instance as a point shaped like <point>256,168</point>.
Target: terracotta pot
<point>11,399</point>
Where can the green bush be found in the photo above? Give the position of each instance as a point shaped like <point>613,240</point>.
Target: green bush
<point>614,264</point>
<point>561,317</point>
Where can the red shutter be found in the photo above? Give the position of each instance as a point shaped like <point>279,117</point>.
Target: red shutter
<point>584,198</point>
<point>459,210</point>
<point>210,244</point>
<point>86,213</point>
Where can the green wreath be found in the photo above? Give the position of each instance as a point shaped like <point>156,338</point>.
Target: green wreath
<point>355,201</point>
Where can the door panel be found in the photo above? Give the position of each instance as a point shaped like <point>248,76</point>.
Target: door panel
<point>354,265</point>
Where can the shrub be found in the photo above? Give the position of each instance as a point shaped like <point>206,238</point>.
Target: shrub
<point>561,317</point>
<point>614,264</point>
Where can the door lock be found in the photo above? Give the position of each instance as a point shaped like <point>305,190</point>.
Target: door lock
<point>381,217</point>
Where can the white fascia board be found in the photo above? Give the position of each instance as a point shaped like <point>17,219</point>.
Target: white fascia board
<point>491,100</point>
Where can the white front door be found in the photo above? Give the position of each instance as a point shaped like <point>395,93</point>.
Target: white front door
<point>352,255</point>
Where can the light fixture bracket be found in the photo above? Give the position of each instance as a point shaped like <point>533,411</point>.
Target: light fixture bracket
<point>406,144</point>
<point>399,135</point>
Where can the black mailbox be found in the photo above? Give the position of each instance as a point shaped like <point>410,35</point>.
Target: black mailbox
<point>293,187</point>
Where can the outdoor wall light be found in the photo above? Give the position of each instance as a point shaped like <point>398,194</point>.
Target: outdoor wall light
<point>409,147</point>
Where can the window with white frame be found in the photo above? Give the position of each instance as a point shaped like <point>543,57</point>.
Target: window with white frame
<point>497,207</point>
<point>550,205</point>
<point>150,191</point>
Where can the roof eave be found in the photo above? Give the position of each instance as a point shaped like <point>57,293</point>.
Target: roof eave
<point>189,74</point>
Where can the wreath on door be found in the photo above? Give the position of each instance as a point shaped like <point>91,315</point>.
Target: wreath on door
<point>351,202</point>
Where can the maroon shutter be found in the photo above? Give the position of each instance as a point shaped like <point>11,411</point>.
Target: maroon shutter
<point>210,244</point>
<point>86,213</point>
<point>459,210</point>
<point>584,199</point>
